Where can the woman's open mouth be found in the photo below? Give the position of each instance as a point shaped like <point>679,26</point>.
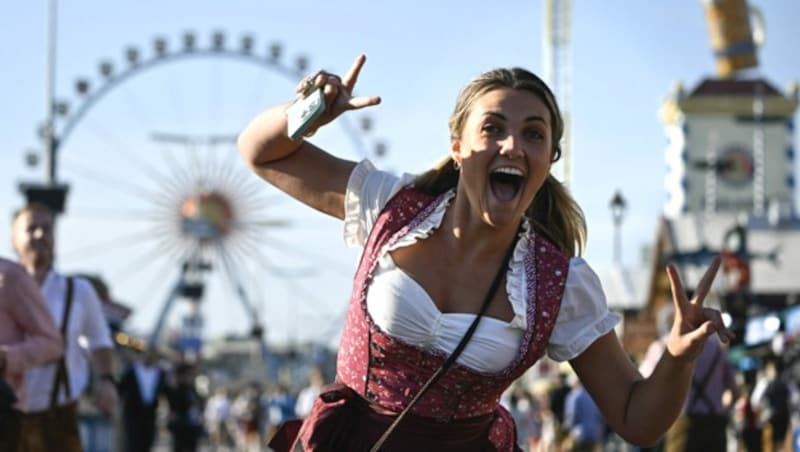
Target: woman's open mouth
<point>506,182</point>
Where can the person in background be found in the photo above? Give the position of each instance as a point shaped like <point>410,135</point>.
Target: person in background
<point>702,425</point>
<point>139,388</point>
<point>28,337</point>
<point>50,419</point>
<point>217,416</point>
<point>745,417</point>
<point>307,396</point>
<point>557,399</point>
<point>583,420</point>
<point>771,399</point>
<point>185,410</point>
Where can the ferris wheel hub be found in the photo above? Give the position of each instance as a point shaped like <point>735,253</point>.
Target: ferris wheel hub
<point>206,216</point>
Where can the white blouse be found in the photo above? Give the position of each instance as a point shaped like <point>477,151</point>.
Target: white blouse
<point>402,308</point>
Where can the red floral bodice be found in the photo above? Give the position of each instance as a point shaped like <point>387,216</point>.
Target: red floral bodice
<point>389,372</point>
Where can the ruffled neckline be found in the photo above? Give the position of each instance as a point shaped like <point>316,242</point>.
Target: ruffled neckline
<point>516,284</point>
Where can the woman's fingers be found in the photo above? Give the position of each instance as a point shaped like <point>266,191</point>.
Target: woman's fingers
<point>705,283</point>
<point>678,293</point>
<point>715,317</point>
<point>710,323</point>
<point>363,101</point>
<point>702,332</point>
<point>338,91</point>
<point>351,77</point>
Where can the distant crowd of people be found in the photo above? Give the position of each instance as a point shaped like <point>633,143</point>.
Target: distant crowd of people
<point>752,410</point>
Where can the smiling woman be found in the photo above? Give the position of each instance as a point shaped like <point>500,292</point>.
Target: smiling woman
<point>469,274</point>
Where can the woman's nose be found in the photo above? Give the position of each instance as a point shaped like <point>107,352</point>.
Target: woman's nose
<point>510,147</point>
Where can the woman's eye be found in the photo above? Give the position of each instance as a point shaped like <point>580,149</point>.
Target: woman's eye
<point>534,134</point>
<point>490,128</point>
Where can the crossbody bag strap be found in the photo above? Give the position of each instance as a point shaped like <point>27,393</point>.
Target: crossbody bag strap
<point>453,356</point>
<point>700,386</point>
<point>62,374</point>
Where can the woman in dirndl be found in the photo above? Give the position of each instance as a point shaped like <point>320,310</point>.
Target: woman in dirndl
<point>488,234</point>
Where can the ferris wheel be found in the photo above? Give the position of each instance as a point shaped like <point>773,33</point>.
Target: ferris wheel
<point>162,208</point>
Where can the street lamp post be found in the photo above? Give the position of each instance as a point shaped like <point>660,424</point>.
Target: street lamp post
<point>49,143</point>
<point>618,206</point>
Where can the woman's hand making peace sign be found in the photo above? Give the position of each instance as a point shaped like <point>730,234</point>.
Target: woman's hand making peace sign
<point>694,323</point>
<point>338,93</point>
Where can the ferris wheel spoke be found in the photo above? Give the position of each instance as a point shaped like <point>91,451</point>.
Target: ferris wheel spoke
<point>213,96</point>
<point>181,175</point>
<point>115,244</point>
<point>238,180</point>
<point>135,107</point>
<point>224,170</point>
<point>162,249</point>
<point>248,239</point>
<point>191,174</point>
<point>254,252</point>
<point>121,149</point>
<point>160,279</point>
<point>262,223</point>
<point>258,207</point>
<point>316,309</point>
<point>218,152</point>
<point>114,214</point>
<point>330,264</point>
<point>252,195</point>
<point>236,284</point>
<point>212,160</point>
<point>270,223</point>
<point>174,94</point>
<point>196,164</point>
<point>248,272</point>
<point>107,180</point>
<point>255,101</point>
<point>232,171</point>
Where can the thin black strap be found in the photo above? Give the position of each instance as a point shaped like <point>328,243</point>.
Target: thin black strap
<point>62,374</point>
<point>700,386</point>
<point>453,356</point>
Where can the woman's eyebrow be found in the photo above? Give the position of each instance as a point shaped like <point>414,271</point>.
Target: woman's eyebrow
<point>501,116</point>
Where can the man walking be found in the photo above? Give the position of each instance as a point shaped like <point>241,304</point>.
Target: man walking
<point>50,420</point>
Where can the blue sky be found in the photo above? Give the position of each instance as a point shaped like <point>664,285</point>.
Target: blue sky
<point>626,56</point>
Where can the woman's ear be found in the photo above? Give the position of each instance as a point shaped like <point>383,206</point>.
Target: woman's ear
<point>455,151</point>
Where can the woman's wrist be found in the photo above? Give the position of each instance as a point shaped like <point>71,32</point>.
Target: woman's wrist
<point>678,364</point>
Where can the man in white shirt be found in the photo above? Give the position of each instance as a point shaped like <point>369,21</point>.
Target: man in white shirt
<point>50,420</point>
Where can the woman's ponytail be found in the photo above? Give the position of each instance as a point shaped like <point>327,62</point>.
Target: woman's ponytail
<point>555,215</point>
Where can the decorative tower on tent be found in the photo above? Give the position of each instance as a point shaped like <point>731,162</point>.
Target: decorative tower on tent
<point>731,184</point>
<point>730,148</point>
<point>730,138</point>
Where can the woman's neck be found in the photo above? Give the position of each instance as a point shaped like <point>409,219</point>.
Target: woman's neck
<point>468,236</point>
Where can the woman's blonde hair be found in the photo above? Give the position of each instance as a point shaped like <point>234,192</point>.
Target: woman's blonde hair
<point>553,213</point>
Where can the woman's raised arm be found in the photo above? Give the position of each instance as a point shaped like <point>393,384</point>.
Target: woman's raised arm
<point>297,167</point>
<point>641,409</point>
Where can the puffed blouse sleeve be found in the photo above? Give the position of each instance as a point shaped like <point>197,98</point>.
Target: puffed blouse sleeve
<point>584,314</point>
<point>368,191</point>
